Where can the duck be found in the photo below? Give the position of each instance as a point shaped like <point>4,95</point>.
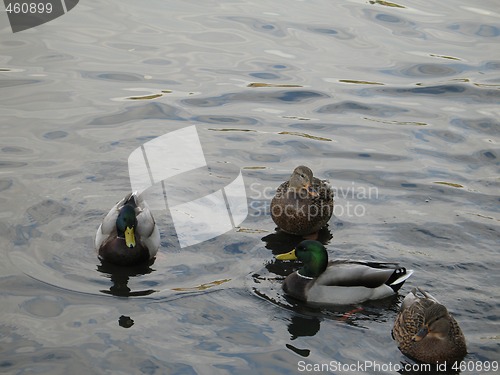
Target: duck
<point>425,331</point>
<point>339,282</point>
<point>128,234</point>
<point>303,204</point>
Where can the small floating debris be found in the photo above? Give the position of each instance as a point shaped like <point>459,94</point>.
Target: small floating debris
<point>485,85</point>
<point>397,122</point>
<point>360,82</point>
<point>445,57</point>
<point>125,321</point>
<point>231,130</point>
<point>305,135</point>
<point>202,286</point>
<point>254,167</point>
<point>166,91</point>
<point>262,84</point>
<point>449,184</point>
<point>296,118</point>
<point>251,230</point>
<point>145,97</point>
<point>386,4</point>
<point>483,216</point>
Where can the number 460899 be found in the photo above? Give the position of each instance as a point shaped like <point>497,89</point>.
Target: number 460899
<point>26,8</point>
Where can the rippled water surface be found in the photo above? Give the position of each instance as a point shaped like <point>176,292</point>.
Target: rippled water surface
<point>396,104</point>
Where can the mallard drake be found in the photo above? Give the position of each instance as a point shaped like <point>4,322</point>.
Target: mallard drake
<point>425,330</point>
<point>339,282</point>
<point>128,235</point>
<point>303,204</point>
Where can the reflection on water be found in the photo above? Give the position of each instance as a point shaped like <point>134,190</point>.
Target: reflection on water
<point>120,276</point>
<point>386,95</point>
<point>280,242</point>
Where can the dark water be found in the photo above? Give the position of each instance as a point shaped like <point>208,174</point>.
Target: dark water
<point>396,104</point>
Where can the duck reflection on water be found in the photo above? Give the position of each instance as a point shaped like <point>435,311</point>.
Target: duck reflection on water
<point>120,277</point>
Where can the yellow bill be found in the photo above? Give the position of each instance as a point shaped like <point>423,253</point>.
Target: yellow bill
<point>287,256</point>
<point>129,237</point>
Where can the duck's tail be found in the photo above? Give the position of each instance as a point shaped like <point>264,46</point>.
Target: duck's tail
<point>398,278</point>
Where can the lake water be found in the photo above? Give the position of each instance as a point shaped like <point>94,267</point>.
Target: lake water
<point>396,104</point>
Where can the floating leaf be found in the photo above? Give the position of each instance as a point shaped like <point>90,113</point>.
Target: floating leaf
<point>202,286</point>
<point>250,230</point>
<point>386,4</point>
<point>261,84</point>
<point>360,82</point>
<point>445,57</point>
<point>449,184</point>
<point>231,130</point>
<point>166,91</point>
<point>398,122</point>
<point>305,135</point>
<point>297,118</point>
<point>145,97</point>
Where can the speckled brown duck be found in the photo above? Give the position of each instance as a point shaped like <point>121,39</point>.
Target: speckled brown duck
<point>303,204</point>
<point>425,330</point>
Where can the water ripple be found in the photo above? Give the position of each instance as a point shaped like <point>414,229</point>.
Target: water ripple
<point>145,111</point>
<point>454,92</point>
<point>291,97</point>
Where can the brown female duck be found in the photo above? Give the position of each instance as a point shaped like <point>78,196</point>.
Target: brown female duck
<point>425,330</point>
<point>303,204</point>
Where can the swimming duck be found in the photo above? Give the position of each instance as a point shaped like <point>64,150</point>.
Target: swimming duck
<point>128,235</point>
<point>303,204</point>
<point>426,332</point>
<point>339,282</point>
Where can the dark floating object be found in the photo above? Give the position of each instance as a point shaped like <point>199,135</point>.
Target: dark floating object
<point>125,321</point>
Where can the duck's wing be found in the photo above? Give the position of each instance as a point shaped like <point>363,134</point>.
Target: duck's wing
<point>107,228</point>
<point>366,274</point>
<point>147,229</point>
<point>427,295</point>
<point>324,189</point>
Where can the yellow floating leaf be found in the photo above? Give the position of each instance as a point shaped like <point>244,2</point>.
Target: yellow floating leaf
<point>262,84</point>
<point>445,57</point>
<point>449,184</point>
<point>360,82</point>
<point>250,230</point>
<point>231,130</point>
<point>202,286</point>
<point>386,4</point>
<point>305,135</point>
<point>397,122</point>
<point>145,97</point>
